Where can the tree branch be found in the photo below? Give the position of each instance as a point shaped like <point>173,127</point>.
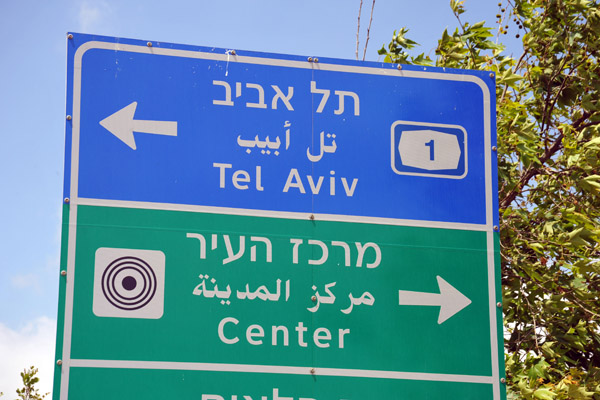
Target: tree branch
<point>462,27</point>
<point>358,28</point>
<point>533,171</point>
<point>517,66</point>
<point>368,31</point>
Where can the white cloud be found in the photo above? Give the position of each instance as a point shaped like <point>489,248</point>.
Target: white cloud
<point>20,349</point>
<point>92,15</point>
<point>23,281</point>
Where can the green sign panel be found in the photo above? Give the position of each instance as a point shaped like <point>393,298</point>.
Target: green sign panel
<point>321,307</point>
<point>350,254</point>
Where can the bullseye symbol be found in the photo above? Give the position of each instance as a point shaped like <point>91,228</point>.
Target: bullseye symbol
<point>128,283</point>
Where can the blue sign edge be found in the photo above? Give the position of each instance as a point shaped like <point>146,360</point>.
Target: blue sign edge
<point>76,40</point>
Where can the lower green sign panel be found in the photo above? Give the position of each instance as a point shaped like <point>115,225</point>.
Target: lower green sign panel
<point>97,384</point>
<point>208,306</point>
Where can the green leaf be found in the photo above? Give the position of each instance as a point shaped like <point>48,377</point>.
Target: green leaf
<point>539,370</point>
<point>544,394</point>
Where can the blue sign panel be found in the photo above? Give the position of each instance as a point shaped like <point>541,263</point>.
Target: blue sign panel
<point>239,130</point>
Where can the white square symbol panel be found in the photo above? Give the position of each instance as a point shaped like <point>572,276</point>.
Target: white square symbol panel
<point>129,283</point>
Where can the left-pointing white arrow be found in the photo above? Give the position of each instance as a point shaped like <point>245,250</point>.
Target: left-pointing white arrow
<point>449,299</point>
<point>122,125</point>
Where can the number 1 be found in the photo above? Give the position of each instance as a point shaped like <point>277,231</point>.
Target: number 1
<point>431,151</point>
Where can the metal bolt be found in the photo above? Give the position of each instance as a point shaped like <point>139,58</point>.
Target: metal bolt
<point>491,74</point>
<point>233,52</point>
<point>63,273</point>
<point>399,67</point>
<point>494,148</point>
<point>58,362</point>
<point>67,200</point>
<point>499,304</point>
<point>314,298</point>
<point>69,36</point>
<point>496,228</point>
<point>309,59</point>
<point>502,380</point>
<point>69,117</point>
<point>312,371</point>
<point>316,59</point>
<point>312,217</point>
<point>149,44</point>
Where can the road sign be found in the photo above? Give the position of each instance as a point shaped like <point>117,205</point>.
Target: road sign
<point>257,226</point>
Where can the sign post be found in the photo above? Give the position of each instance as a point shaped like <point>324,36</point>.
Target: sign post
<point>243,225</point>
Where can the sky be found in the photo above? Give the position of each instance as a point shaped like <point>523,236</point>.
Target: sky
<point>32,115</point>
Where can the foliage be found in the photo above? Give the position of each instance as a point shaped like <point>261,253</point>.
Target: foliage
<point>29,392</point>
<point>549,182</point>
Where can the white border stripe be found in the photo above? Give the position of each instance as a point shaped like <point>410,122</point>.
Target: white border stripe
<point>275,369</point>
<point>275,62</point>
<point>487,145</point>
<point>66,350</point>
<point>493,309</point>
<point>281,63</point>
<point>278,214</point>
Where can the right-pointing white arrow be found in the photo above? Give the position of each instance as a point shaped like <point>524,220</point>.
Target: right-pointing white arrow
<point>122,125</point>
<point>449,299</point>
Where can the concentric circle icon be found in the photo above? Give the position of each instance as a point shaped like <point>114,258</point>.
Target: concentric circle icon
<point>129,283</point>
